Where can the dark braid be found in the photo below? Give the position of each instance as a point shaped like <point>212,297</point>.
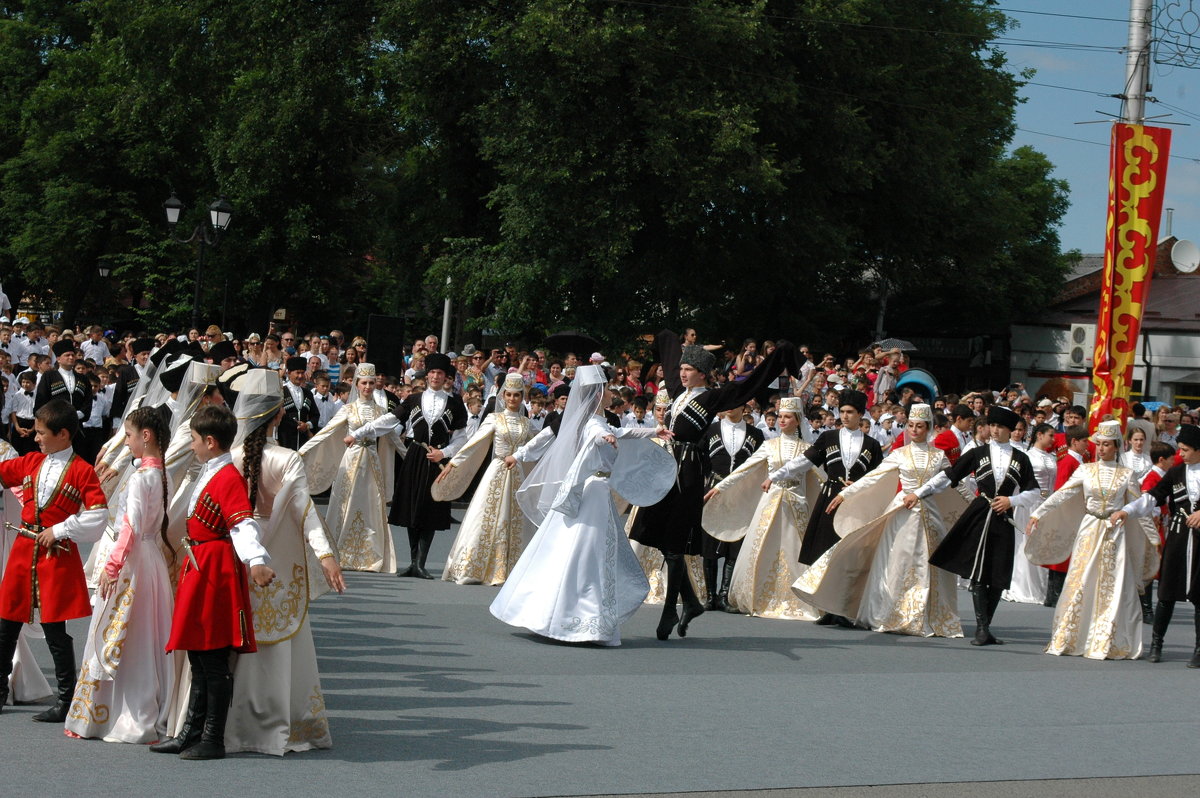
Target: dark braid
<point>252,460</point>
<point>149,418</point>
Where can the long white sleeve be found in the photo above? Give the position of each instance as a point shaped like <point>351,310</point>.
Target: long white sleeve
<point>86,526</point>
<point>535,447</point>
<point>247,541</point>
<point>939,483</point>
<point>795,468</point>
<point>381,426</point>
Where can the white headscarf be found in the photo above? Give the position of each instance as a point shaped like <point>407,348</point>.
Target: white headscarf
<point>260,395</point>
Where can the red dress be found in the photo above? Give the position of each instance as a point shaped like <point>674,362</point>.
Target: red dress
<point>212,605</point>
<point>50,581</point>
<point>1160,521</point>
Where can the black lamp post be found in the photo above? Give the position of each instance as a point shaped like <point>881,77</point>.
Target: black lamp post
<point>220,213</point>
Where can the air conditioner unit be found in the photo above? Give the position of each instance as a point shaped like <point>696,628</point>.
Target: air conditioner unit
<point>1081,345</point>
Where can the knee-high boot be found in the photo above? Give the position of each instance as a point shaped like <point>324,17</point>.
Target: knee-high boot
<point>423,554</point>
<point>62,651</point>
<point>692,606</point>
<point>676,573</point>
<point>983,617</point>
<point>218,688</point>
<point>710,582</point>
<point>1147,599</point>
<point>1162,619</point>
<point>190,730</point>
<point>414,547</point>
<point>726,581</point>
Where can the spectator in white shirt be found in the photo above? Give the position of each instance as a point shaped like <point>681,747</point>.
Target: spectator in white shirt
<point>95,348</point>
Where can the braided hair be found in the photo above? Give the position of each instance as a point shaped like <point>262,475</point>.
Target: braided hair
<point>144,418</point>
<point>252,453</point>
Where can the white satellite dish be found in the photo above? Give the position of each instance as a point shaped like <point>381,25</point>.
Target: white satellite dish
<point>1186,256</point>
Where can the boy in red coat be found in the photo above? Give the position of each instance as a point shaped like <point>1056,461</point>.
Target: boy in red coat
<point>1077,442</point>
<point>212,603</point>
<point>43,580</point>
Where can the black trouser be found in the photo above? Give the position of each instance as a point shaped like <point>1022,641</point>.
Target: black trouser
<point>62,651</point>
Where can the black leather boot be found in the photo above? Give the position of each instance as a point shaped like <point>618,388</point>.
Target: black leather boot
<point>726,581</point>
<point>670,616</point>
<point>62,651</point>
<point>414,545</point>
<point>1162,619</point>
<point>983,618</point>
<point>189,731</point>
<point>710,582</point>
<point>219,689</point>
<point>1054,586</point>
<point>692,606</point>
<point>1147,599</point>
<point>422,555</point>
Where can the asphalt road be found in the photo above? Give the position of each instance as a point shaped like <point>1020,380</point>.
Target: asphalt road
<point>429,695</point>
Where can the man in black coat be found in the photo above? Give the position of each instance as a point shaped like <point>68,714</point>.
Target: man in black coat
<point>981,545</point>
<point>63,383</point>
<point>300,413</point>
<point>730,442</point>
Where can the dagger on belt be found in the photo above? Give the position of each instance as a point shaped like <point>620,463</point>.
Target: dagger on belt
<point>445,461</point>
<point>186,545</point>
<point>57,547</point>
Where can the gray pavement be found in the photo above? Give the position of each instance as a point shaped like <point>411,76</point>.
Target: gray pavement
<point>429,695</point>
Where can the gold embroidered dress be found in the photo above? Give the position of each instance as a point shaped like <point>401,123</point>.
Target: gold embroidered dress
<point>124,689</point>
<point>1098,614</point>
<point>878,573</point>
<point>772,524</point>
<point>494,531</point>
<point>277,701</point>
<point>361,477</point>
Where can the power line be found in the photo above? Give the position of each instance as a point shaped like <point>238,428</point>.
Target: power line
<point>1066,16</point>
<point>1071,88</point>
<point>1094,143</point>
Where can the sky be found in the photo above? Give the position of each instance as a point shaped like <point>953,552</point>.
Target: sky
<point>1048,112</point>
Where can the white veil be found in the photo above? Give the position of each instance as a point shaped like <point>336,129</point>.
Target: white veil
<point>260,395</point>
<point>537,493</point>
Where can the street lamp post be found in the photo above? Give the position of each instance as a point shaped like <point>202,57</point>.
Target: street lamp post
<point>220,213</point>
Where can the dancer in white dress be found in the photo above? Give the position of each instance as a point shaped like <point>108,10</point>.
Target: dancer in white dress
<point>879,573</point>
<point>772,523</point>
<point>1029,581</point>
<point>1099,615</point>
<point>125,682</point>
<point>494,531</point>
<point>578,579</point>
<point>360,473</point>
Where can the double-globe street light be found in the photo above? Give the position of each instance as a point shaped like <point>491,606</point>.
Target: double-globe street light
<point>220,213</point>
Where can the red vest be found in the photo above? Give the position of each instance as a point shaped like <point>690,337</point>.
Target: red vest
<point>51,581</point>
<point>947,441</point>
<point>212,604</point>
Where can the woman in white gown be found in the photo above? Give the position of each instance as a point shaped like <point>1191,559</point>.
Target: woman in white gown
<point>1029,581</point>
<point>124,689</point>
<point>360,473</point>
<point>772,523</point>
<point>494,531</point>
<point>578,579</point>
<point>879,572</point>
<point>1098,615</point>
<point>278,705</point>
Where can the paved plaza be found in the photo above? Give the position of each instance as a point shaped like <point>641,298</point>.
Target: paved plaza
<point>429,695</point>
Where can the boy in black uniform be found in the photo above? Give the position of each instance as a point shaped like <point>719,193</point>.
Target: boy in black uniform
<point>730,441</point>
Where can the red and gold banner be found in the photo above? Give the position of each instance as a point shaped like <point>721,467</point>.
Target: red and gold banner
<point>1137,180</point>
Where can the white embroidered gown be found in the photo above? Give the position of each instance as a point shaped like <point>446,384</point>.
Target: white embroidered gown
<point>494,531</point>
<point>361,479</point>
<point>578,579</point>
<point>774,524</point>
<point>1098,615</point>
<point>125,682</point>
<point>879,572</point>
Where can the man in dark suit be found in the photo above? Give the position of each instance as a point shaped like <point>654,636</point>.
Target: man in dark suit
<point>63,383</point>
<point>730,441</point>
<point>300,412</point>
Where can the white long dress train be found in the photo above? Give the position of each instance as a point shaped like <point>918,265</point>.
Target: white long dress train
<point>124,689</point>
<point>879,572</point>
<point>1098,615</point>
<point>1029,581</point>
<point>494,531</point>
<point>578,579</point>
<point>773,524</point>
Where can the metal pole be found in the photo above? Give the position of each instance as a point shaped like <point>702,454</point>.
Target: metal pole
<point>196,299</point>
<point>445,344</point>
<point>1137,62</point>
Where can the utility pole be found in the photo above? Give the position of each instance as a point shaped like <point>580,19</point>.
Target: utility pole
<point>1137,62</point>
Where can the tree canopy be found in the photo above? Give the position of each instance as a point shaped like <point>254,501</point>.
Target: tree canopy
<point>611,165</point>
